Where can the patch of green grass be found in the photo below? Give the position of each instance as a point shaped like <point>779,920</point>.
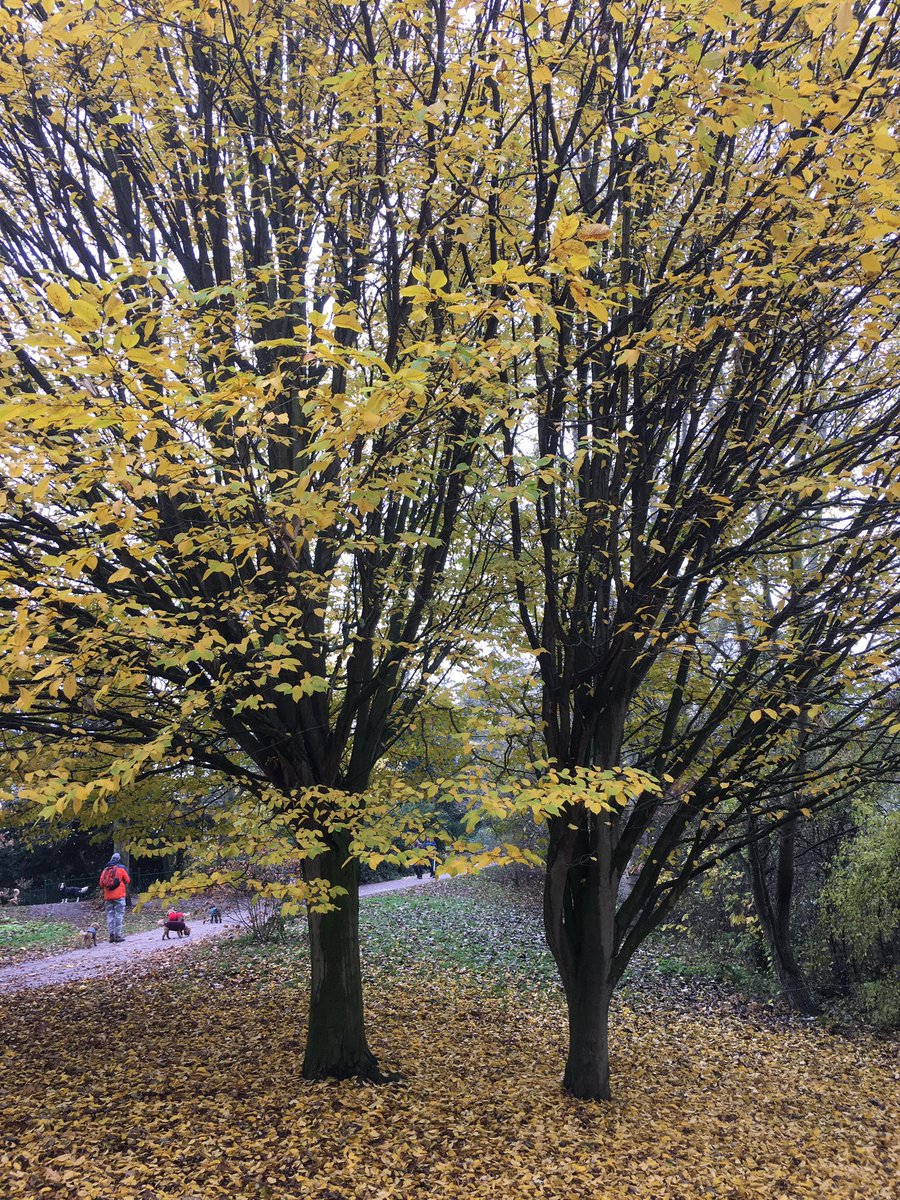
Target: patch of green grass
<point>475,929</point>
<point>472,927</point>
<point>692,964</point>
<point>21,938</point>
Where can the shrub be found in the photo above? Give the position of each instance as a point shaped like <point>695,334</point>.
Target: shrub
<point>860,906</point>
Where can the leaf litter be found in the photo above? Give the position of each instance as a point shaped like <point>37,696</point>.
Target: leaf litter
<point>184,1084</point>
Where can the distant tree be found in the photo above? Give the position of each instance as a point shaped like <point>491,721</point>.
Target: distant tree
<point>860,906</point>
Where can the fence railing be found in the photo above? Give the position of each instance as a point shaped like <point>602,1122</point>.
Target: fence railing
<point>46,891</point>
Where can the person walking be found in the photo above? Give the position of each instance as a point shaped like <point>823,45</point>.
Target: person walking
<point>114,879</point>
<point>431,848</point>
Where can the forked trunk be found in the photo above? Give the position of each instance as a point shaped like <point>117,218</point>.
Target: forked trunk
<point>774,912</point>
<point>336,1046</point>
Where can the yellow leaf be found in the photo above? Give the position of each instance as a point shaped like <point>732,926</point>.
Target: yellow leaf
<point>594,232</point>
<point>597,309</point>
<point>86,313</point>
<point>843,19</point>
<point>542,74</point>
<point>756,715</point>
<point>566,227</point>
<point>59,297</point>
<point>347,321</point>
<point>870,263</point>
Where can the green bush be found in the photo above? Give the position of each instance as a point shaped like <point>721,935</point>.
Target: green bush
<point>881,1001</point>
<point>860,907</point>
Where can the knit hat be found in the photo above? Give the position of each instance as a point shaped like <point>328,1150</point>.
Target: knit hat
<point>117,857</point>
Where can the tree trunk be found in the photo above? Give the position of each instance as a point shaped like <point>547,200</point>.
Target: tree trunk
<point>580,890</point>
<point>336,1046</point>
<point>587,1064</point>
<point>774,913</point>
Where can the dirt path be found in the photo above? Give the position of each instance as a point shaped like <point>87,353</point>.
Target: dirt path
<point>136,949</point>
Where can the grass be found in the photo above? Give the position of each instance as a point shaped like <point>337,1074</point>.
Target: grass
<point>476,929</point>
<point>479,929</point>
<point>21,938</point>
<point>705,967</point>
<point>488,930</point>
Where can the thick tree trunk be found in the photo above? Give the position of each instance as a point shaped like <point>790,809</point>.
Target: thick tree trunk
<point>580,890</point>
<point>336,1046</point>
<point>587,1063</point>
<point>774,912</point>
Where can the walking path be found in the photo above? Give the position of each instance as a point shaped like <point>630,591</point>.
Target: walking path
<point>137,947</point>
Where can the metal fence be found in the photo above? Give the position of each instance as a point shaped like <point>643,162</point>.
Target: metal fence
<point>46,891</point>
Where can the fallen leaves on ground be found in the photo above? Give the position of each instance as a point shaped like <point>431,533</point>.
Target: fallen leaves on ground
<point>185,1085</point>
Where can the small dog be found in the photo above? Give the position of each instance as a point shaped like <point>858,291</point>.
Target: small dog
<point>215,915</point>
<point>175,924</point>
<point>11,897</point>
<point>89,936</point>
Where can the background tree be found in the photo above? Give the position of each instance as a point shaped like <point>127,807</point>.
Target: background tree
<point>842,921</point>
<point>860,911</point>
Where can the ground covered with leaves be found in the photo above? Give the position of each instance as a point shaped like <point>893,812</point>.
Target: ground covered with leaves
<point>184,1083</point>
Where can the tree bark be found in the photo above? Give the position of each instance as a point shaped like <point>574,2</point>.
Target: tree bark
<point>587,1064</point>
<point>774,912</point>
<point>580,890</point>
<point>336,1046</point>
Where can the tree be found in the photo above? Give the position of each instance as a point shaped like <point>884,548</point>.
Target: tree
<point>302,296</point>
<point>711,402</point>
<point>244,524</point>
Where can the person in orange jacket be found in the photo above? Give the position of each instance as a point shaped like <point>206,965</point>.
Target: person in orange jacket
<point>114,879</point>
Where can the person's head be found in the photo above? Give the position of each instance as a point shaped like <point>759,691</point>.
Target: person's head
<point>116,858</point>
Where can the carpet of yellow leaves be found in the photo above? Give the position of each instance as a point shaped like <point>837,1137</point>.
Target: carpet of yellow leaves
<point>171,1088</point>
